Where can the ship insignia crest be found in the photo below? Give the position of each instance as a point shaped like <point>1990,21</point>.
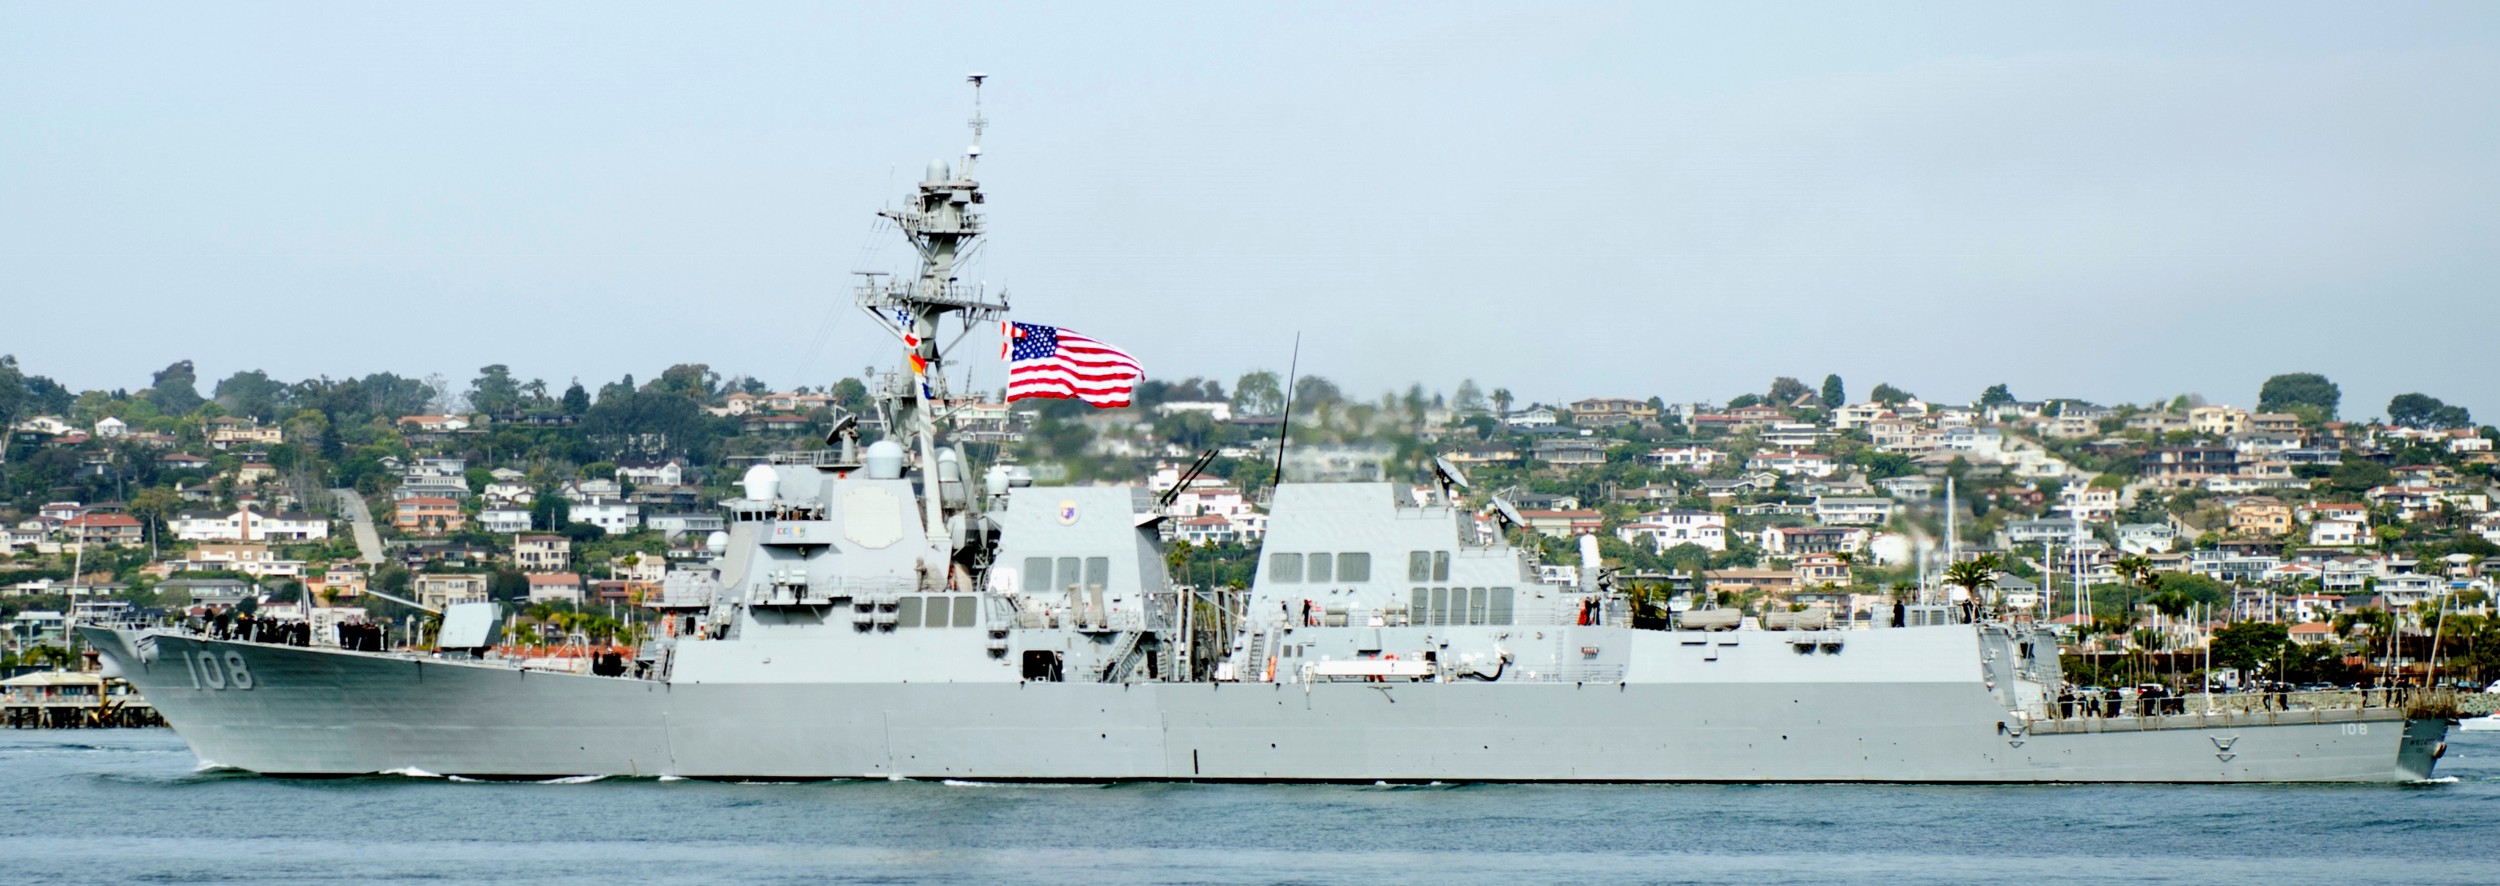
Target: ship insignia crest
<point>1067,513</point>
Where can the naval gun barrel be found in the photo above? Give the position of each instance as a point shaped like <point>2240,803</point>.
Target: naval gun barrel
<point>403,601</point>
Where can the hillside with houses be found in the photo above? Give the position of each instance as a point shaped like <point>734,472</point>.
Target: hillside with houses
<point>2347,547</point>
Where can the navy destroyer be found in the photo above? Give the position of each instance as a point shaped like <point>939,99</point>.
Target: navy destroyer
<point>885,609</point>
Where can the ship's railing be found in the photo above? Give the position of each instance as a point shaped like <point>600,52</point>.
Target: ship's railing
<point>971,299</point>
<point>2218,719</point>
<point>813,458</point>
<point>2236,708</point>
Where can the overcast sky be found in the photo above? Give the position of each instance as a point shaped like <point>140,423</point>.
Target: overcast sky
<point>2097,200</point>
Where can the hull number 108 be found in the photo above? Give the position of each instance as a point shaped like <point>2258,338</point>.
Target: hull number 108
<point>211,671</point>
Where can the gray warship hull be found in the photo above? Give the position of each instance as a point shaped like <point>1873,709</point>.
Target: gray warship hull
<point>873,612</point>
<point>320,712</point>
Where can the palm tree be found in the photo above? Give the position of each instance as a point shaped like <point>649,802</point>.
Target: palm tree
<point>59,658</point>
<point>2363,621</point>
<point>2377,623</point>
<point>2169,604</point>
<point>1973,574</point>
<point>1501,402</point>
<point>2136,570</point>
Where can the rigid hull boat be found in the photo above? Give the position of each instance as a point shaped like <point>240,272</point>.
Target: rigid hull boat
<point>876,610</point>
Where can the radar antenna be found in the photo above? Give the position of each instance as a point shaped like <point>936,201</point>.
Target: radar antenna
<point>972,155</point>
<point>943,223</point>
<point>1449,478</point>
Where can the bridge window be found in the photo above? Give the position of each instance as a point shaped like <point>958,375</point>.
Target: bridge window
<point>1354,568</point>
<point>1097,572</point>
<point>1421,612</point>
<point>1475,606</point>
<point>1318,571</point>
<point>1499,611</point>
<point>1440,606</point>
<point>1440,566</point>
<point>1069,577</point>
<point>1036,574</point>
<point>907,613</point>
<point>1286,568</point>
<point>1419,566</point>
<point>967,611</point>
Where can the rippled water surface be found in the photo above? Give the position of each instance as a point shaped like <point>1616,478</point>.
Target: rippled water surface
<point>126,806</point>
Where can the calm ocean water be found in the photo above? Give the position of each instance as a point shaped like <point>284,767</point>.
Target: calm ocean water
<point>126,806</point>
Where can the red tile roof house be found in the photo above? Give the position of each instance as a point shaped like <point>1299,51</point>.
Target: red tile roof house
<point>114,530</point>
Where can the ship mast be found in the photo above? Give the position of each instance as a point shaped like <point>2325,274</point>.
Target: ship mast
<point>942,222</point>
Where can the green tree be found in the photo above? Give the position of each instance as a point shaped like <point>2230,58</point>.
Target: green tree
<point>1974,574</point>
<point>1834,393</point>
<point>251,393</point>
<point>2357,475</point>
<point>1188,429</point>
<point>2246,645</point>
<point>851,395</point>
<point>1469,397</point>
<point>694,381</point>
<point>1786,390</point>
<point>2366,621</point>
<point>153,506</point>
<point>549,511</point>
<point>1997,395</point>
<point>1502,401</point>
<point>2137,571</point>
<point>2425,411</point>
<point>1258,393</point>
<point>1313,392</point>
<point>508,585</point>
<point>14,405</point>
<point>1881,465</point>
<point>2305,393</point>
<point>495,391</point>
<point>1890,396</point>
<point>576,400</point>
<point>176,390</point>
<point>649,424</point>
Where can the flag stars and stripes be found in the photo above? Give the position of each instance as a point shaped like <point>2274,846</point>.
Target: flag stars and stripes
<point>1055,362</point>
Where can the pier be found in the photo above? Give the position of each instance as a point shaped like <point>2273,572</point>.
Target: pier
<point>72,700</point>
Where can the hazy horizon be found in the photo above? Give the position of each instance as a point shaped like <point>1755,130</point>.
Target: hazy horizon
<point>2118,203</point>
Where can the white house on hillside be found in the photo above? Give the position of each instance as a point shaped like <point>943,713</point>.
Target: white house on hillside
<point>1667,529</point>
<point>246,524</point>
<point>1852,511</point>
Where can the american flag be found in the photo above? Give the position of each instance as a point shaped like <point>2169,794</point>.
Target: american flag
<point>1049,361</point>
